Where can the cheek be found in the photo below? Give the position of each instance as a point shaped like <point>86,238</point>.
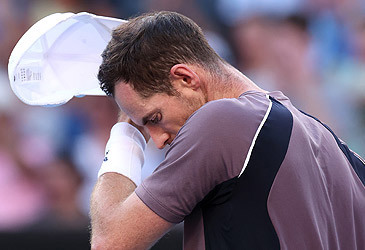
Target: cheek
<point>178,113</point>
<point>173,122</point>
<point>181,117</point>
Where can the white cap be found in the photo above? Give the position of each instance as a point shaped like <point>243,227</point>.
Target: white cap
<point>59,57</point>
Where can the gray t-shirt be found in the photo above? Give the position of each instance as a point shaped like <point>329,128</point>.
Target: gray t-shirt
<point>256,173</point>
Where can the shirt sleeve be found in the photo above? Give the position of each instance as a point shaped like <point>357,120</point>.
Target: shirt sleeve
<point>209,149</point>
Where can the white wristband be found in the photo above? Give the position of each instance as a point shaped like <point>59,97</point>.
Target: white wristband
<point>124,152</point>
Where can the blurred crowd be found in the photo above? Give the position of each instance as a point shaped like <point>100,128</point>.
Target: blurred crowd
<point>311,50</point>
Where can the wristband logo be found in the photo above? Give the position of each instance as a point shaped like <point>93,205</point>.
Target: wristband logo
<point>106,156</point>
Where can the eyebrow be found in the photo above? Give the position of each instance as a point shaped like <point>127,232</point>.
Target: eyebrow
<point>148,116</point>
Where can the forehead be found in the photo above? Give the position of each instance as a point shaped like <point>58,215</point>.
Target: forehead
<point>128,100</point>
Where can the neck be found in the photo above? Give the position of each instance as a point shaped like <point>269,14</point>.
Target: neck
<point>230,84</point>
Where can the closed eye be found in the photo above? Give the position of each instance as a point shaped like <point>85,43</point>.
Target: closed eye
<point>156,118</point>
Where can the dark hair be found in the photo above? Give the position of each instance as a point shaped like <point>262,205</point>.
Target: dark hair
<point>143,50</point>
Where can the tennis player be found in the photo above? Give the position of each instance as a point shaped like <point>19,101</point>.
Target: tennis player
<point>245,168</point>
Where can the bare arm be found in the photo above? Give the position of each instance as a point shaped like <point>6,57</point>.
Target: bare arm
<point>119,219</point>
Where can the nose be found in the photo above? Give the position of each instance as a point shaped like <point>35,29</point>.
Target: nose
<point>159,136</point>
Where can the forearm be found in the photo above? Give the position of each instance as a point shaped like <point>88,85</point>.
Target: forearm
<point>108,195</point>
<point>122,221</point>
<point>119,174</point>
<point>119,218</point>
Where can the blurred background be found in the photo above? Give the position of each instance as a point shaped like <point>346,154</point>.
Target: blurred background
<point>311,50</point>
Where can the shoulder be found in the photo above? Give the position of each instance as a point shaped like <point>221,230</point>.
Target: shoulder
<point>223,123</point>
<point>247,110</point>
<point>209,149</point>
<point>247,103</point>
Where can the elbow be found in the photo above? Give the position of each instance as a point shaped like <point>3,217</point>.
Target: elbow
<point>100,241</point>
<point>97,243</point>
<point>106,243</point>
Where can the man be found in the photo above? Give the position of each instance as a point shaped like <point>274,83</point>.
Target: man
<point>245,169</point>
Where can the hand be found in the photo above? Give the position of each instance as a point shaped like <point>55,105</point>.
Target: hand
<point>122,117</point>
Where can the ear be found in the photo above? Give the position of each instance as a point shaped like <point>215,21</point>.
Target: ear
<point>185,76</point>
